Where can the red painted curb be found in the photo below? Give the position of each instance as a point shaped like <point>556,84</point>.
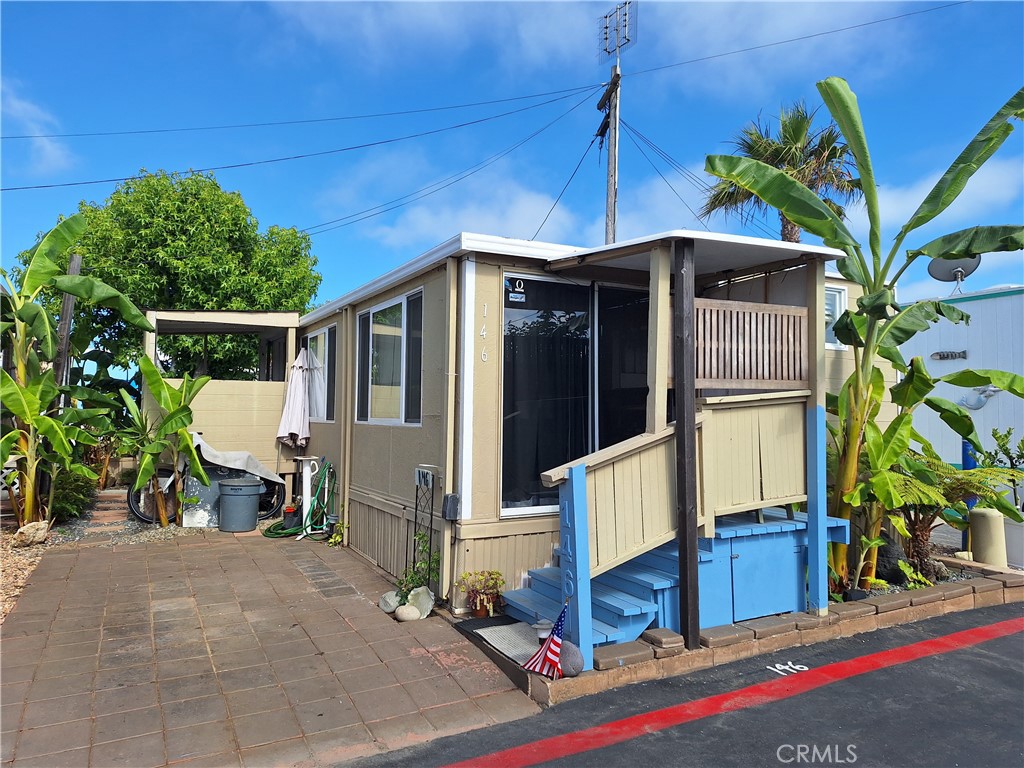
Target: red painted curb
<point>752,696</point>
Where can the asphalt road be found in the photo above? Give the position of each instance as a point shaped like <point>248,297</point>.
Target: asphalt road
<point>948,693</point>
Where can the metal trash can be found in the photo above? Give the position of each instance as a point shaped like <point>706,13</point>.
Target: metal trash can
<point>240,503</point>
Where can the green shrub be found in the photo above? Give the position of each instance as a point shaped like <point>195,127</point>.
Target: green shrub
<point>74,494</point>
<point>127,476</point>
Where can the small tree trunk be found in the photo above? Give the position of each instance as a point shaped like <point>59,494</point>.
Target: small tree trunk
<point>790,231</point>
<point>158,498</point>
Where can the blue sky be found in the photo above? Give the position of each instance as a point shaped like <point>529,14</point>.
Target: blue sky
<point>925,82</point>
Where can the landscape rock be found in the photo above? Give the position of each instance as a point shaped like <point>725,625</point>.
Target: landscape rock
<point>423,599</point>
<point>407,613</point>
<point>887,567</point>
<point>571,659</point>
<point>33,533</point>
<point>388,602</point>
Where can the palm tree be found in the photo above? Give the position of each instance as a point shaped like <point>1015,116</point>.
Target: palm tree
<point>818,159</point>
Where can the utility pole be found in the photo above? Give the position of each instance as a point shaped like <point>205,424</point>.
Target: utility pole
<point>67,308</point>
<point>610,126</point>
<point>618,31</point>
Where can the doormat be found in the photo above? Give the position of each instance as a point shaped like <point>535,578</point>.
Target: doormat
<point>516,641</point>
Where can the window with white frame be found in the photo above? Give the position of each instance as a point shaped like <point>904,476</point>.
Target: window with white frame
<point>320,351</point>
<point>390,363</point>
<point>835,305</point>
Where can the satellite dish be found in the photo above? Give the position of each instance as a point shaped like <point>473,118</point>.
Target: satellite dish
<point>953,270</point>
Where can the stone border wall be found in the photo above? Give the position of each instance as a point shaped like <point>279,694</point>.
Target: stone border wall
<point>660,653</point>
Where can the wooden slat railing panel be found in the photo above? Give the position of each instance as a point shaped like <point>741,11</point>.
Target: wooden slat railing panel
<point>745,345</point>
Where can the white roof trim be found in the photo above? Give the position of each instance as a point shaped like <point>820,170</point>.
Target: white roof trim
<point>468,242</point>
<point>461,244</point>
<point>717,237</point>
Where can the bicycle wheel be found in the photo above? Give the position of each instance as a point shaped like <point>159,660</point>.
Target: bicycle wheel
<point>143,504</point>
<point>271,500</point>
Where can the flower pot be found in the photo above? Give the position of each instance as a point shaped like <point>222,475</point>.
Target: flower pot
<point>480,613</point>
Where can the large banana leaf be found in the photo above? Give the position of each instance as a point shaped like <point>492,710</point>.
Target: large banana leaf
<point>53,431</point>
<point>7,443</point>
<point>177,419</point>
<point>980,149</point>
<point>973,242</point>
<point>1008,382</point>
<point>778,190</point>
<point>956,418</point>
<point>158,388</point>
<point>187,447</point>
<point>842,104</point>
<point>97,292</point>
<point>885,449</point>
<point>22,402</point>
<point>42,267</point>
<point>40,328</point>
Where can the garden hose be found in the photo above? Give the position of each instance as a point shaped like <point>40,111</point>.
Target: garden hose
<point>318,507</point>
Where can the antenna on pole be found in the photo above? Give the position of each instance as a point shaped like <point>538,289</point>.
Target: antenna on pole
<point>617,31</point>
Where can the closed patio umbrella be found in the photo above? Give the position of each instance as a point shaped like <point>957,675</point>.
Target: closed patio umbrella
<point>294,428</point>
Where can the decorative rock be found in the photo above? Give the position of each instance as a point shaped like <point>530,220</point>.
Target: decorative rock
<point>407,613</point>
<point>33,533</point>
<point>887,568</point>
<point>388,601</point>
<point>571,659</point>
<point>423,599</point>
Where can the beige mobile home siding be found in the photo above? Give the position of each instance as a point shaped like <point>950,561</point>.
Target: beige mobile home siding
<point>325,437</point>
<point>384,457</point>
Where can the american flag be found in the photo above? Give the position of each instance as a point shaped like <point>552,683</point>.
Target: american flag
<point>547,660</point>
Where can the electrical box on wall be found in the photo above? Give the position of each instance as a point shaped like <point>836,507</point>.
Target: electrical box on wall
<point>450,506</point>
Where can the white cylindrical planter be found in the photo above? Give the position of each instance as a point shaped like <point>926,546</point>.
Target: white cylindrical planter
<point>1014,533</point>
<point>988,539</point>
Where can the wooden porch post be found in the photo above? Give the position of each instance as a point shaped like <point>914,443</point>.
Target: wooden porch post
<point>817,507</point>
<point>659,339</point>
<point>684,358</point>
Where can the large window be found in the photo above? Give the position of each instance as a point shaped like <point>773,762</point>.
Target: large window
<point>835,305</point>
<point>390,338</point>
<point>546,394</point>
<point>320,350</point>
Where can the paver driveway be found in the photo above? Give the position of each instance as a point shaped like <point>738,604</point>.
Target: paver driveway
<point>228,649</point>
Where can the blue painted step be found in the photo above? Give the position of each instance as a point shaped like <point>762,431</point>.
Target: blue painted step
<point>531,606</point>
<point>609,604</point>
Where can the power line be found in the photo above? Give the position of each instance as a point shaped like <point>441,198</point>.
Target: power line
<point>424,110</point>
<point>400,113</point>
<point>810,36</point>
<point>571,177</point>
<point>436,186</point>
<point>303,156</point>
<point>629,132</point>
<point>697,182</point>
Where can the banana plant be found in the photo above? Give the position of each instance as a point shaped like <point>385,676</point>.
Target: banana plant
<point>162,432</point>
<point>35,435</point>
<point>879,324</point>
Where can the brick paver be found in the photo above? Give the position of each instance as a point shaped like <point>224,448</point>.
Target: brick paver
<point>227,649</point>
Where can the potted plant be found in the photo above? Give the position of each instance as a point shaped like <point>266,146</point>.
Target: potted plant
<point>482,590</point>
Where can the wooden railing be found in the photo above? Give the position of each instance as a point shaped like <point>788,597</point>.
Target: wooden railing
<point>753,452</point>
<point>630,497</point>
<point>743,345</point>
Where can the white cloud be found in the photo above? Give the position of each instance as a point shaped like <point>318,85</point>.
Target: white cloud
<point>994,192</point>
<point>395,36</point>
<point>690,31</point>
<point>45,156</point>
<point>493,205</point>
<point>650,206</point>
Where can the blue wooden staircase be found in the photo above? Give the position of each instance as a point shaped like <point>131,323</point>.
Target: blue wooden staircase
<point>624,601</point>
